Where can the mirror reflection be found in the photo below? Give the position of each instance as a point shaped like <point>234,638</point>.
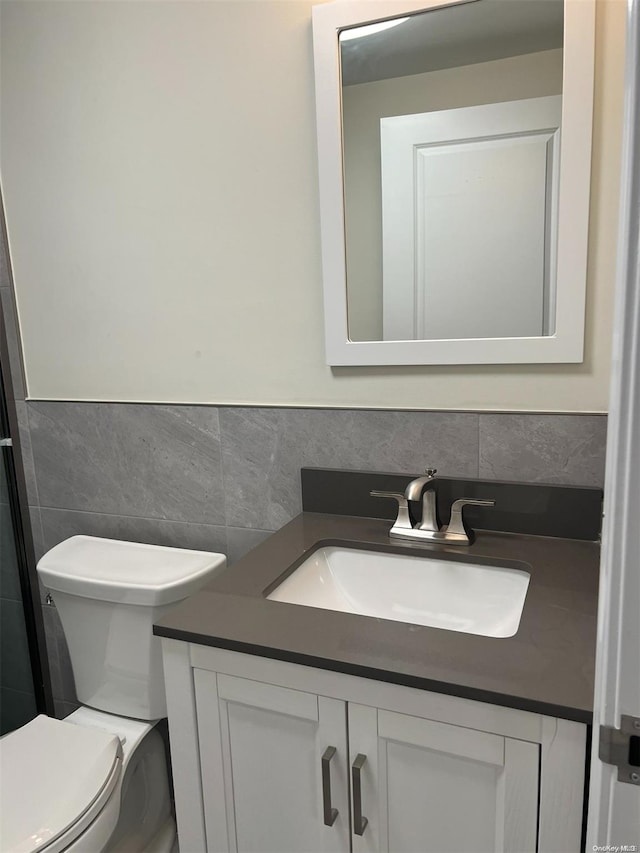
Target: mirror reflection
<point>451,125</point>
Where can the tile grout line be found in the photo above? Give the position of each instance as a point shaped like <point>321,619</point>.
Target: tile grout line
<point>135,517</point>
<point>38,536</point>
<point>152,519</point>
<point>223,479</point>
<point>33,458</point>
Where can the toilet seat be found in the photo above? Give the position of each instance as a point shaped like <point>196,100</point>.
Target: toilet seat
<point>55,779</point>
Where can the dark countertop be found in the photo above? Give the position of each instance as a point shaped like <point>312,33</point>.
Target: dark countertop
<point>547,667</point>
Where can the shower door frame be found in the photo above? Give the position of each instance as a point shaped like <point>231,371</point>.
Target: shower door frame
<point>20,520</point>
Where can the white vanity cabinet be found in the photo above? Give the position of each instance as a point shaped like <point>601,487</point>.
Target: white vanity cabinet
<point>274,757</point>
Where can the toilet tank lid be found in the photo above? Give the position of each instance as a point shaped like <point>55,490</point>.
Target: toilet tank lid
<point>127,572</point>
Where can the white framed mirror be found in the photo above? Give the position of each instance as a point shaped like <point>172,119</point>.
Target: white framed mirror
<point>454,147</point>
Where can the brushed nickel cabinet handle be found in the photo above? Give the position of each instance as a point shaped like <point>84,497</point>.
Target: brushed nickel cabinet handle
<point>330,814</point>
<point>359,821</point>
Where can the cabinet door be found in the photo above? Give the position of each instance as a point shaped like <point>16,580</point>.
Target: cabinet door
<point>430,786</point>
<point>261,752</point>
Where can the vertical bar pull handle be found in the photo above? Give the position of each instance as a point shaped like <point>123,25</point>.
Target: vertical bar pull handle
<point>359,822</point>
<point>330,814</point>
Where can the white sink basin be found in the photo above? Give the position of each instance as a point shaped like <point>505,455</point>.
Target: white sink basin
<point>456,595</point>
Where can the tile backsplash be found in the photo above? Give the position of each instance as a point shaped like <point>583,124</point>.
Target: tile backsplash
<point>222,478</point>
<point>188,475</point>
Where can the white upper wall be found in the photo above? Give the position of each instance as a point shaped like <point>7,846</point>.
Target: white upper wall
<point>158,163</point>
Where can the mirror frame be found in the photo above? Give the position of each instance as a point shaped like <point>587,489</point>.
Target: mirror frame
<point>567,343</point>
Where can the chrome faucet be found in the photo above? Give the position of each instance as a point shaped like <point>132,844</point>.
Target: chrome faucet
<point>427,529</point>
<point>424,487</point>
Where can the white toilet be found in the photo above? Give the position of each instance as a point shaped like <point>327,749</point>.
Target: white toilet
<point>98,781</point>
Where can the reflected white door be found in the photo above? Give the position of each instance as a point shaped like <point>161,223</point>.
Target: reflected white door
<point>460,189</point>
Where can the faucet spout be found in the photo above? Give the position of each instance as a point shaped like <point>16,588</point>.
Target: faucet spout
<point>416,487</point>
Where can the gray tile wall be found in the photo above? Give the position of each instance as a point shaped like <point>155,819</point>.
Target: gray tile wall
<point>222,478</point>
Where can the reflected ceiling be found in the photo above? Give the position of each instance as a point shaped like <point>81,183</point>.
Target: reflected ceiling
<point>444,38</point>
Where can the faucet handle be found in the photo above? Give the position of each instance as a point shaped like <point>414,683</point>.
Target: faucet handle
<point>471,502</point>
<point>403,519</point>
<point>431,472</point>
<point>456,526</point>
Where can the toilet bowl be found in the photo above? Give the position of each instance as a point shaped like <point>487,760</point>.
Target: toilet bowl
<point>88,783</point>
<point>98,780</point>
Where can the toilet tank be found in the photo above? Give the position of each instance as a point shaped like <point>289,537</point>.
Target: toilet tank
<point>108,594</point>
